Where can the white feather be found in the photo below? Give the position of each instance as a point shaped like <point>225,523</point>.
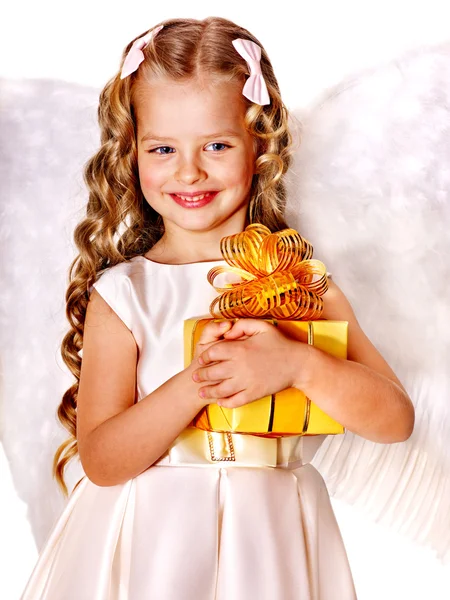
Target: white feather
<point>47,131</point>
<point>370,189</point>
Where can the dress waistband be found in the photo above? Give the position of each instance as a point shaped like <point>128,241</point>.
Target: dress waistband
<point>196,447</point>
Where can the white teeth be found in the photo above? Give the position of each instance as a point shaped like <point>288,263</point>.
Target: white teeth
<point>192,198</point>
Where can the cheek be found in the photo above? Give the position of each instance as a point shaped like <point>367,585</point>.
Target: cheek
<point>241,172</point>
<point>149,178</point>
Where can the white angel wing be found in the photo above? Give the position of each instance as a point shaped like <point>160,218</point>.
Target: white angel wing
<point>370,189</point>
<point>47,132</point>
<point>371,180</point>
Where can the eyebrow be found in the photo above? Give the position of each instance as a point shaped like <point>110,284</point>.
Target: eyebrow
<point>226,133</point>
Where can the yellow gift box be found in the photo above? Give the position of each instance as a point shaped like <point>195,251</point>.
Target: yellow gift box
<point>279,282</point>
<point>288,412</point>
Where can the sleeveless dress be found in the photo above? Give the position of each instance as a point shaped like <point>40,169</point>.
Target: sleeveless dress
<point>193,526</point>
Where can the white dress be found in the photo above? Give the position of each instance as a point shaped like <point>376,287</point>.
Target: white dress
<point>191,528</point>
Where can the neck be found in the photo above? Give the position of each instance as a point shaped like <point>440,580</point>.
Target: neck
<point>179,245</point>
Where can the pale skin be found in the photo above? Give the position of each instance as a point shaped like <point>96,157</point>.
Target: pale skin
<point>118,437</point>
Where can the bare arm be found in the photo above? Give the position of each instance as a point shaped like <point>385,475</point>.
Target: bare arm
<point>363,400</point>
<point>128,443</point>
<point>117,438</point>
<point>363,393</point>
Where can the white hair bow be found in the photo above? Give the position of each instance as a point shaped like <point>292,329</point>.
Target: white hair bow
<point>255,88</point>
<point>135,55</point>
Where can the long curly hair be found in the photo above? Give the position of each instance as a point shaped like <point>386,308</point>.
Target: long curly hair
<point>119,223</point>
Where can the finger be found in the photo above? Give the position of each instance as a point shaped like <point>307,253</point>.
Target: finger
<point>216,352</point>
<point>210,373</point>
<point>246,327</point>
<point>213,331</point>
<point>235,400</point>
<point>221,390</point>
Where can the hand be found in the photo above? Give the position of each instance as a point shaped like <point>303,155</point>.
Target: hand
<point>210,335</point>
<point>254,360</point>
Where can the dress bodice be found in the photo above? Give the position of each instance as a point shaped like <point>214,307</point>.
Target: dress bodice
<point>154,300</point>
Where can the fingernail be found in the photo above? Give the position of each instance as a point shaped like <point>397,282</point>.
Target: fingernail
<point>224,325</point>
<point>200,360</point>
<point>202,393</point>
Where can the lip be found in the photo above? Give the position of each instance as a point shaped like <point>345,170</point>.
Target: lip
<point>192,194</point>
<point>198,204</point>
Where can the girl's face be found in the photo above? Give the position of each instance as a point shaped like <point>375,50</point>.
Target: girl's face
<point>192,143</point>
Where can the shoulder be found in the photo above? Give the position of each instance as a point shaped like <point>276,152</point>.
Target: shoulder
<point>336,306</point>
<point>123,274</point>
<point>115,286</point>
<point>121,270</point>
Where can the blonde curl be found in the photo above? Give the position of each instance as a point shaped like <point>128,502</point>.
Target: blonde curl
<point>119,224</point>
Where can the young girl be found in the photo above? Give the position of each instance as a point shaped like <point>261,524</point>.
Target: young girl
<point>194,146</point>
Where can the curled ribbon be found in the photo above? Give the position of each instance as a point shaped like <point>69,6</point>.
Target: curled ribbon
<point>277,276</point>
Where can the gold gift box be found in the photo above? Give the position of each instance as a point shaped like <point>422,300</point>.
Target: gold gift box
<point>288,412</point>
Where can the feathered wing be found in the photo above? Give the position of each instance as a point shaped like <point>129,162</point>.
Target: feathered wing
<point>370,188</point>
<point>47,132</point>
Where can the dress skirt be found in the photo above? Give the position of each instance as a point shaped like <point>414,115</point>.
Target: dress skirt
<point>238,518</point>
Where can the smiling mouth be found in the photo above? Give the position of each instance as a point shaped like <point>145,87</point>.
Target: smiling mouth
<point>197,201</point>
<point>194,198</point>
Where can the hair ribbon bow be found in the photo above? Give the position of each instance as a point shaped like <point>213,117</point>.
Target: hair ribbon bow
<point>135,55</point>
<point>255,88</point>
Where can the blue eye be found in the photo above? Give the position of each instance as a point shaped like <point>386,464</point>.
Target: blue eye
<point>219,144</point>
<point>161,148</point>
<point>172,150</point>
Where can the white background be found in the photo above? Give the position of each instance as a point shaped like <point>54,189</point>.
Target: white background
<point>312,45</point>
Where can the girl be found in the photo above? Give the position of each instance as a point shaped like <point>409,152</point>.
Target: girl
<point>194,146</point>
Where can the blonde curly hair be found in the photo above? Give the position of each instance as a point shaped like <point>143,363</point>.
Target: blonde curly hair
<point>119,223</point>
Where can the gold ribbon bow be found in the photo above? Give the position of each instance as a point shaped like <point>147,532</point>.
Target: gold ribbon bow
<point>277,276</point>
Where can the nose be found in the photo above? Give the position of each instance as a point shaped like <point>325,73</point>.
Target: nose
<point>190,170</point>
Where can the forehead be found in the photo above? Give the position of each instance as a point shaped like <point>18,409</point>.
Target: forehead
<point>176,109</point>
